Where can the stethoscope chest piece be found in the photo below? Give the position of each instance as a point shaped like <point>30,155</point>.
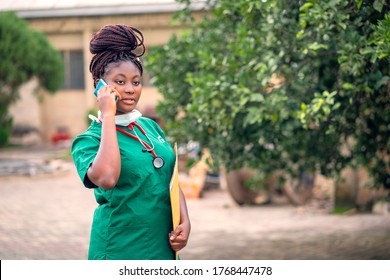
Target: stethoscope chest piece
<point>158,162</point>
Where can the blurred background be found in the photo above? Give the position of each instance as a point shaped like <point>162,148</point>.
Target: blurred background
<point>280,108</point>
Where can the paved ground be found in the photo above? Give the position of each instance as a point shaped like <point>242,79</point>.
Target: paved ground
<point>48,216</point>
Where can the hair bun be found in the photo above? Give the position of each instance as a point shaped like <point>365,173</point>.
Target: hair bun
<point>117,38</point>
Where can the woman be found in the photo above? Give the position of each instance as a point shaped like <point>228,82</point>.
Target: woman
<point>126,159</point>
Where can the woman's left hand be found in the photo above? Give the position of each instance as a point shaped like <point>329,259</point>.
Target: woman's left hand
<point>178,238</point>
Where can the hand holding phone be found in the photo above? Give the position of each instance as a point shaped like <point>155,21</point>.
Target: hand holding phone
<point>100,84</point>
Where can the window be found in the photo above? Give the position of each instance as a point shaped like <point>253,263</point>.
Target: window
<point>74,70</point>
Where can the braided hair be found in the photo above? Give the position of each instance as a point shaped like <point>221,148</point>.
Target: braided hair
<point>114,43</point>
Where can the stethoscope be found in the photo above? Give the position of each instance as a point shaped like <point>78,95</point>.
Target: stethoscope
<point>158,162</point>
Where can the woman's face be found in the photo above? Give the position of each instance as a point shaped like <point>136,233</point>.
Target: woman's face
<point>126,78</point>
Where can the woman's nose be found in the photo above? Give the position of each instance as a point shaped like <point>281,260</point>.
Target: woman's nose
<point>129,89</point>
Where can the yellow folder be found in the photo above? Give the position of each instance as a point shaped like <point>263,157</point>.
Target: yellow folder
<point>175,194</point>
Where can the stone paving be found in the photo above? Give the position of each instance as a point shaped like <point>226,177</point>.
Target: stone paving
<point>48,216</point>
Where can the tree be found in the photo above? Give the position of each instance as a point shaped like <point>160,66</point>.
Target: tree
<point>25,54</point>
<point>278,85</point>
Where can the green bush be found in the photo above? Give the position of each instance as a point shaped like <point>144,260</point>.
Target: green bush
<point>282,85</point>
<point>25,54</point>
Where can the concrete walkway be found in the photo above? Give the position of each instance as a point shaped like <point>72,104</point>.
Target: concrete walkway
<point>48,216</point>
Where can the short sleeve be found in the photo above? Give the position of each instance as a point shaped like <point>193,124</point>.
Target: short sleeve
<point>84,150</point>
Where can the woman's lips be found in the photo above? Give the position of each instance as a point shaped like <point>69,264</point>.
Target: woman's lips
<point>128,101</point>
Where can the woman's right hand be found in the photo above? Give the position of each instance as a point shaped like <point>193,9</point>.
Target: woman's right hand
<point>106,99</point>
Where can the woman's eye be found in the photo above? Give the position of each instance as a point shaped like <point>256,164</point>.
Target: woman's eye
<point>119,82</point>
<point>137,83</point>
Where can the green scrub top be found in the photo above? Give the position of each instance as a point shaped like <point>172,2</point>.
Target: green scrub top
<point>132,221</point>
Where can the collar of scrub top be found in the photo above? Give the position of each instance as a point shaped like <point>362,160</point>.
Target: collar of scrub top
<point>122,120</point>
<point>128,120</point>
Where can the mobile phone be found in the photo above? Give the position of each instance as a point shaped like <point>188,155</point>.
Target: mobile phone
<point>99,85</point>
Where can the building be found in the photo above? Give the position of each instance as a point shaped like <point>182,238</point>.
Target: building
<point>69,26</point>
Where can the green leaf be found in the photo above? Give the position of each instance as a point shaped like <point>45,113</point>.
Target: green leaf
<point>317,46</point>
<point>385,80</point>
<point>348,86</point>
<point>306,6</point>
<point>299,34</point>
<point>257,97</point>
<point>342,25</point>
<point>303,23</point>
<point>378,5</point>
<point>359,3</point>
<point>336,106</point>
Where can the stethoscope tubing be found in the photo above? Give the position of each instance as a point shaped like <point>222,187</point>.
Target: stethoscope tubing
<point>143,143</point>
